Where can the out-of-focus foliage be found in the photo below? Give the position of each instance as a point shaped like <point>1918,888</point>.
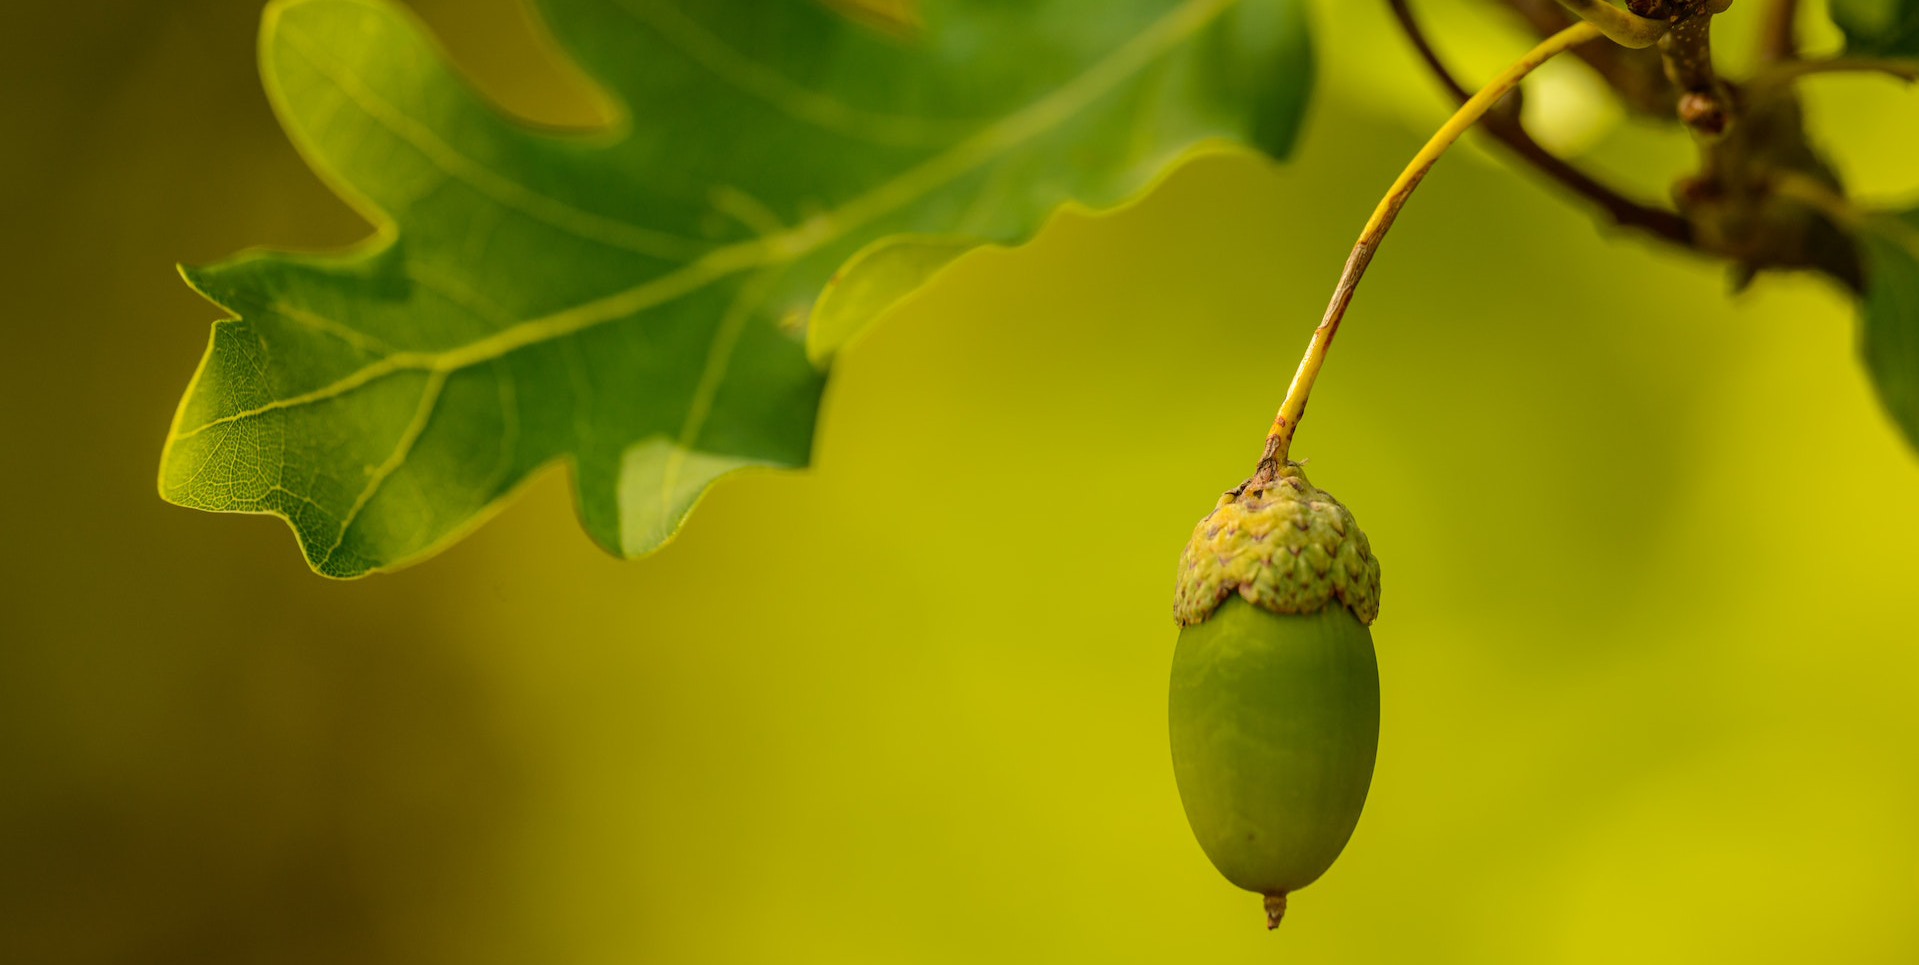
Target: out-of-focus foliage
<point>616,300</point>
<point>1878,27</point>
<point>1646,646</point>
<point>1889,316</point>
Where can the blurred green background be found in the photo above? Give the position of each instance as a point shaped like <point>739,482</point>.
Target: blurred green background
<point>1651,692</point>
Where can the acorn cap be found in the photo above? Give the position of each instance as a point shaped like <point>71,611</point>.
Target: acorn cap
<point>1284,546</point>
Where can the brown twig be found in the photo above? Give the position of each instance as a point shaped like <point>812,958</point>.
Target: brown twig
<point>1704,103</point>
<point>1777,39</point>
<point>1508,129</point>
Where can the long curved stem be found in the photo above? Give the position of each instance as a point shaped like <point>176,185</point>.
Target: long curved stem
<point>1280,438</point>
<point>1508,129</point>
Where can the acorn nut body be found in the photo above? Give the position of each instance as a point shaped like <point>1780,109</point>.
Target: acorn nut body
<point>1274,703</point>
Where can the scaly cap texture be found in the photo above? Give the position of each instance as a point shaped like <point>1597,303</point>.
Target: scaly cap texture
<point>1284,546</point>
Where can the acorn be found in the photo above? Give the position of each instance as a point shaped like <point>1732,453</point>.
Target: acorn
<point>1274,709</point>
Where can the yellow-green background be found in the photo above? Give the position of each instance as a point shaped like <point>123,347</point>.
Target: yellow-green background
<point>1651,690</point>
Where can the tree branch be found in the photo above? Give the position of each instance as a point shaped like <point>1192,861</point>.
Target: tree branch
<point>1704,103</point>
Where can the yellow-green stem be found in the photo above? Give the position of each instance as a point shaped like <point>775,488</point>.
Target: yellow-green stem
<point>1772,77</point>
<point>1623,27</point>
<point>1817,196</point>
<point>1280,438</point>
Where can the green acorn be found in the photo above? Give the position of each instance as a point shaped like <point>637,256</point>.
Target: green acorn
<point>1274,709</point>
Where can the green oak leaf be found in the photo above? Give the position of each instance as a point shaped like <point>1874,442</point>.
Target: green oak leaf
<point>1878,28</point>
<point>630,300</point>
<point>1889,314</point>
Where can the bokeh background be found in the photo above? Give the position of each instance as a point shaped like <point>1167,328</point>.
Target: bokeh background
<point>1651,689</point>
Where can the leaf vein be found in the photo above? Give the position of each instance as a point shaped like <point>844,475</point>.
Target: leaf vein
<point>803,103</point>
<point>503,190</point>
<point>422,414</point>
<point>369,344</point>
<point>719,356</point>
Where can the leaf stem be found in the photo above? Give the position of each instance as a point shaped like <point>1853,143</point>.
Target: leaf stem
<point>1792,70</point>
<point>1280,438</point>
<point>1817,196</point>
